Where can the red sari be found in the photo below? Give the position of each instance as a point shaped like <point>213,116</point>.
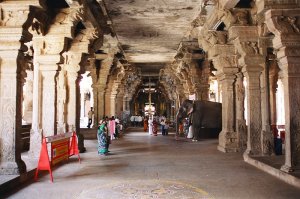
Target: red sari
<point>155,128</point>
<point>145,125</point>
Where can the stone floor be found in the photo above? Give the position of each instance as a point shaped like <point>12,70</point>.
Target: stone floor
<point>143,166</point>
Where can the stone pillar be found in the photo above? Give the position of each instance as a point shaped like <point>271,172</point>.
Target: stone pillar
<point>245,39</point>
<point>101,103</point>
<point>36,131</point>
<point>96,105</point>
<point>119,104</point>
<point>267,136</point>
<point>228,137</point>
<point>113,105</point>
<point>107,109</point>
<point>287,43</point>
<point>46,57</point>
<point>48,73</point>
<point>27,117</point>
<point>82,94</point>
<point>273,78</point>
<point>61,101</point>
<point>72,77</point>
<point>12,38</point>
<point>226,65</point>
<point>252,73</point>
<point>10,102</point>
<point>125,99</point>
<point>241,127</point>
<point>204,85</point>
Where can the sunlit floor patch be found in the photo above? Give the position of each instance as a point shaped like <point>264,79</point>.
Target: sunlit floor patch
<point>144,189</point>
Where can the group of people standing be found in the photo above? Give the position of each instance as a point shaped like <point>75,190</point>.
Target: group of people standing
<point>185,127</point>
<point>152,126</point>
<point>108,129</point>
<point>136,120</point>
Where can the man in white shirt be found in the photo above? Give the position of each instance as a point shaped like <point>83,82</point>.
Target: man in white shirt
<point>90,117</point>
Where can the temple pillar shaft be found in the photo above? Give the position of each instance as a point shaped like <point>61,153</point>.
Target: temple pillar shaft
<point>267,137</point>
<point>113,105</point>
<point>12,70</point>
<point>228,137</point>
<point>287,44</point>
<point>101,103</point>
<point>27,117</point>
<point>10,117</point>
<point>272,94</point>
<point>48,73</point>
<point>44,121</point>
<point>72,102</point>
<point>241,127</point>
<point>252,73</point>
<point>119,104</point>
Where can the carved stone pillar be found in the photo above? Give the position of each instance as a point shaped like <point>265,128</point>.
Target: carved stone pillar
<point>48,73</point>
<point>72,96</point>
<point>125,99</point>
<point>27,117</point>
<point>273,78</point>
<point>205,73</point>
<point>12,74</point>
<point>10,103</point>
<point>267,136</point>
<point>252,73</point>
<point>98,104</point>
<point>61,101</point>
<point>228,141</point>
<point>46,57</point>
<point>241,127</point>
<point>226,65</point>
<point>287,43</point>
<point>245,39</point>
<point>113,104</point>
<point>101,102</point>
<point>119,104</point>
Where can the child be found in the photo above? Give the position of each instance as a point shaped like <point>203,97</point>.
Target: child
<point>120,128</point>
<point>166,128</point>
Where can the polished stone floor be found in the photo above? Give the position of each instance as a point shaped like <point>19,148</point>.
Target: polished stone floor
<point>143,166</point>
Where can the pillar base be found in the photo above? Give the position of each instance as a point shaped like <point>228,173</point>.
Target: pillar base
<point>287,169</point>
<point>228,142</point>
<point>35,143</point>
<point>81,147</point>
<point>12,168</point>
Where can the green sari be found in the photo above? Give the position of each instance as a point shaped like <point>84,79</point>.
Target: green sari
<point>102,140</point>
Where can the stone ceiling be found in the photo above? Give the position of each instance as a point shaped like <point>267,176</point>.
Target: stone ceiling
<point>150,30</point>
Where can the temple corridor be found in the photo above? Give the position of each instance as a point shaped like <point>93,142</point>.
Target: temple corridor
<point>222,69</point>
<point>143,166</point>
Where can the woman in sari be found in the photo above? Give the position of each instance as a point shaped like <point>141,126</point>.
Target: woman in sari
<point>145,124</point>
<point>154,126</point>
<point>102,138</point>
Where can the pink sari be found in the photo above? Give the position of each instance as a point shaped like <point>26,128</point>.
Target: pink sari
<point>112,128</point>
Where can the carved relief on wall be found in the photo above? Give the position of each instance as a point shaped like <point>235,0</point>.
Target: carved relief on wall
<point>235,17</point>
<point>263,30</point>
<point>250,47</point>
<point>52,46</point>
<point>38,21</point>
<point>288,24</point>
<point>199,21</point>
<point>12,17</point>
<point>207,39</point>
<point>86,35</point>
<point>69,16</point>
<point>7,130</point>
